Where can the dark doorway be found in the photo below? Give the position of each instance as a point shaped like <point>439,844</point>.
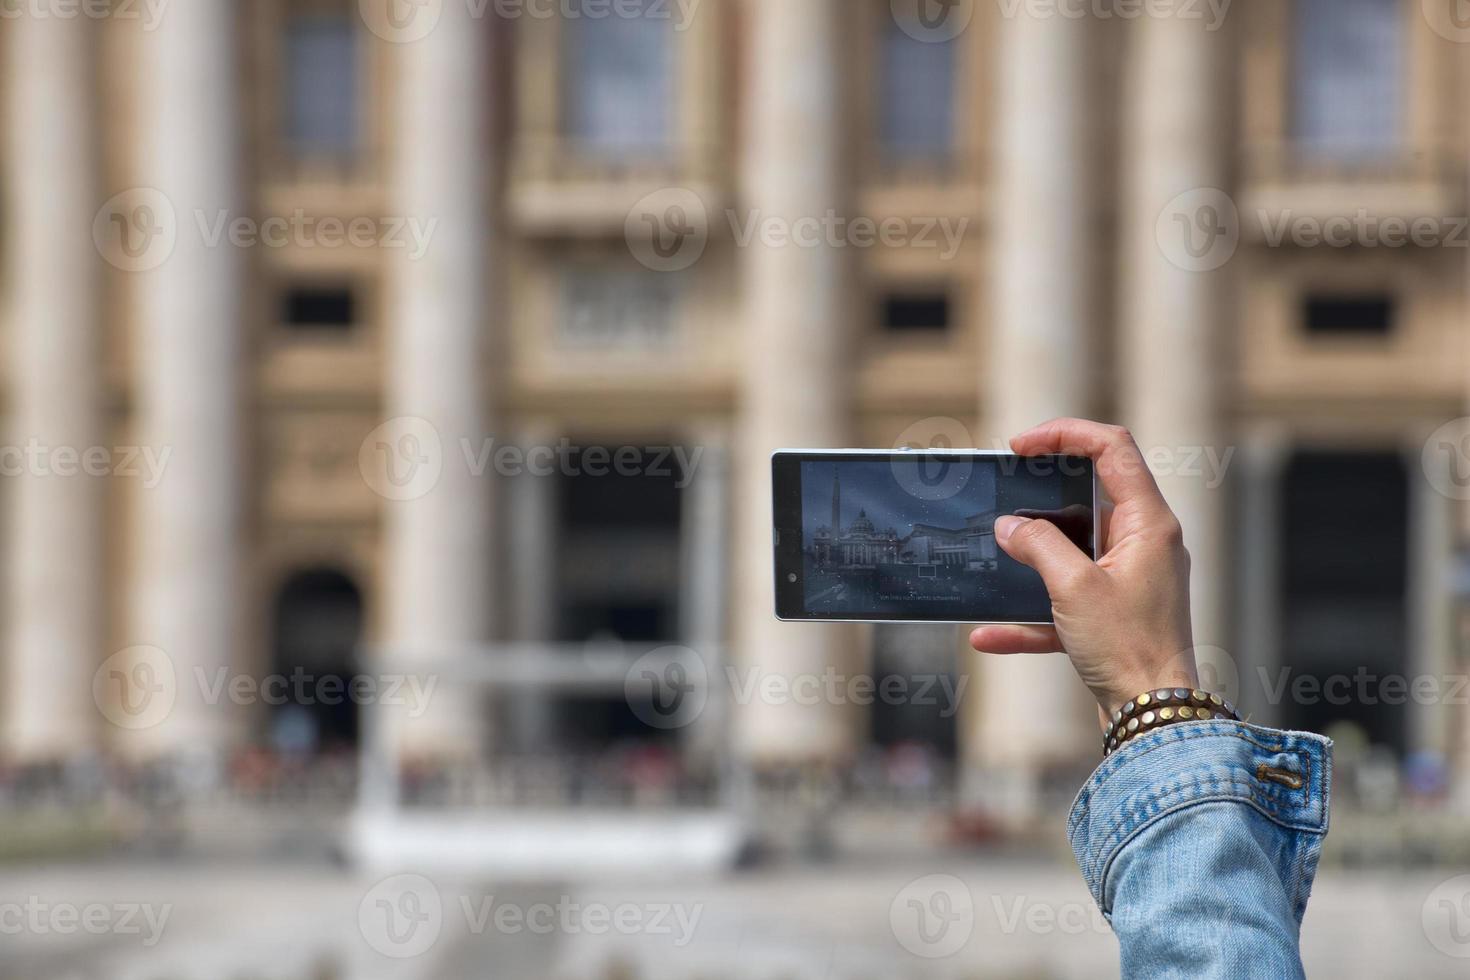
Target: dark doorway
<point>914,668</point>
<point>318,625</point>
<point>617,574</point>
<point>1344,576</point>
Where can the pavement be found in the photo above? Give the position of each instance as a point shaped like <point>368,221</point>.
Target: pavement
<point>960,918</point>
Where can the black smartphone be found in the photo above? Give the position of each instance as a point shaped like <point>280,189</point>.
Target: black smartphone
<point>909,535</point>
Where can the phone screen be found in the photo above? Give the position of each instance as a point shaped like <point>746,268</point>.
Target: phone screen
<point>911,536</point>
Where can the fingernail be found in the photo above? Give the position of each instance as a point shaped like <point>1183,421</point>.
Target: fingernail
<point>1006,526</point>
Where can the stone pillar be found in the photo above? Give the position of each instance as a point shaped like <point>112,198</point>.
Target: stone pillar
<point>1173,317</point>
<point>1041,361</point>
<point>54,614</point>
<point>532,546</point>
<point>438,557</point>
<point>704,559</point>
<point>795,376</point>
<point>187,544</point>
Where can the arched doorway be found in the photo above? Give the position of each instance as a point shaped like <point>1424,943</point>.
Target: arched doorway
<point>317,627</point>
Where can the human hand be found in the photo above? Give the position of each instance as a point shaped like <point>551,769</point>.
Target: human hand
<point>1124,619</point>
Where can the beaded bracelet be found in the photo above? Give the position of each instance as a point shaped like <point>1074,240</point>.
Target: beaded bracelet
<point>1166,706</point>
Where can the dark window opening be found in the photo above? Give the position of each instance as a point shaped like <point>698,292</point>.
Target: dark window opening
<point>318,625</point>
<point>919,725</point>
<point>319,307</point>
<point>321,65</point>
<point>1344,576</point>
<point>617,574</point>
<point>1365,316</point>
<point>916,313</point>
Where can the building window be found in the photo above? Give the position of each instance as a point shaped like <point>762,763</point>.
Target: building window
<point>1354,316</point>
<point>915,313</point>
<point>616,308</point>
<point>619,94</point>
<point>1344,567</point>
<point>916,97</point>
<point>618,574</point>
<point>320,110</point>
<point>1349,64</point>
<point>319,307</point>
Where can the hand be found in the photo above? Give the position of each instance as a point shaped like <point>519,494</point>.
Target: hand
<point>1124,619</point>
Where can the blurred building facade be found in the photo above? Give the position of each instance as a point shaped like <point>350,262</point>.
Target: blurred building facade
<point>1306,377</point>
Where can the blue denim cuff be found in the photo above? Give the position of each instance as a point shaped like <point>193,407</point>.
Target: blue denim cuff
<point>1286,776</point>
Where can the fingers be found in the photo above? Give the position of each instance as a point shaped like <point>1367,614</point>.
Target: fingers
<point>1120,464</point>
<point>1076,522</point>
<point>1015,639</point>
<point>1043,546</point>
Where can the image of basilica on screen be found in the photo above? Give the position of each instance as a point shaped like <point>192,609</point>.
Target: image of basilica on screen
<point>879,548</point>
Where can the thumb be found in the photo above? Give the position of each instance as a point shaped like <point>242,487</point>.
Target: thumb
<point>1043,546</point>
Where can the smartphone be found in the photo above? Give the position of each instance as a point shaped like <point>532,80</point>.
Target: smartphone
<point>897,536</point>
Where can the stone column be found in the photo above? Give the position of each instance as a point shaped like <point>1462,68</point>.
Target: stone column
<point>1173,317</point>
<point>795,371</point>
<point>50,277</point>
<point>189,361</point>
<point>532,546</point>
<point>1041,361</point>
<point>438,557</point>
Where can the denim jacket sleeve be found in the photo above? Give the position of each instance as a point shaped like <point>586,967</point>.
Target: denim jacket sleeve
<point>1200,841</point>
